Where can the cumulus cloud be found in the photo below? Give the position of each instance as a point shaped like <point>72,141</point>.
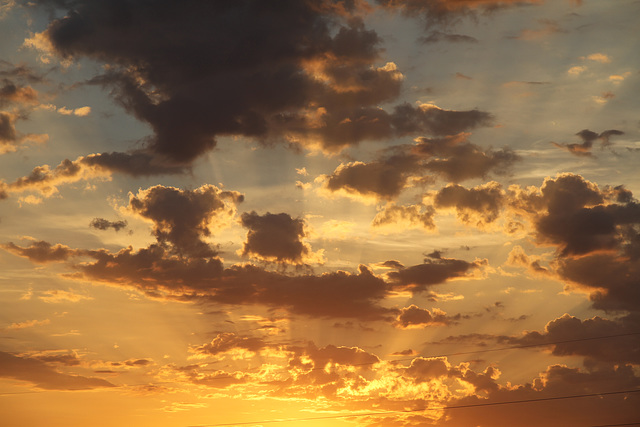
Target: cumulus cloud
<point>229,341</point>
<point>275,237</point>
<point>452,158</point>
<point>416,317</point>
<point>181,218</point>
<point>433,271</point>
<point>478,206</point>
<point>595,233</point>
<point>316,54</point>
<point>571,336</point>
<point>314,81</point>
<point>392,216</point>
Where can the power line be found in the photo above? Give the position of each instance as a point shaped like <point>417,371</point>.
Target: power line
<point>473,405</point>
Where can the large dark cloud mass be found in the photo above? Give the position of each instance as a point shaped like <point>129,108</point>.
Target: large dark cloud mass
<point>296,70</point>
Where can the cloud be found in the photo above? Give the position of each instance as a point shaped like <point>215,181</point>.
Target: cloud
<point>518,257</point>
<point>10,138</point>
<point>182,218</point>
<point>432,120</point>
<point>221,76</point>
<point>159,273</point>
<point>103,224</point>
<point>28,324</point>
<point>452,158</point>
<point>275,238</point>
<point>577,336</point>
<point>576,70</point>
<point>549,28</point>
<point>598,57</point>
<point>391,217</point>
<point>19,72</point>
<point>477,206</point>
<point>432,272</point>
<point>438,36</point>
<point>416,317</point>
<point>56,296</point>
<point>228,341</point>
<point>45,180</point>
<point>80,112</point>
<point>588,138</point>
<point>11,93</point>
<point>595,233</point>
<point>448,12</point>
<point>43,376</point>
<point>42,252</point>
<point>314,81</point>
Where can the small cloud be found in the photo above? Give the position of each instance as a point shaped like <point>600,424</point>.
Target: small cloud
<point>29,200</point>
<point>82,111</point>
<point>56,296</point>
<point>619,78</point>
<point>577,70</point>
<point>302,171</point>
<point>598,57</point>
<point>463,77</point>
<point>28,324</point>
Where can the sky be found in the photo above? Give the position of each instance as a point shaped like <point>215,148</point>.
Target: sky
<point>351,213</point>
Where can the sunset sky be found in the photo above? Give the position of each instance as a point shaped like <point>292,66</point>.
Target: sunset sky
<point>315,213</point>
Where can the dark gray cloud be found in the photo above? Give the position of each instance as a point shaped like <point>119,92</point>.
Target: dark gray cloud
<point>448,12</point>
<point>42,252</point>
<point>619,348</point>
<point>104,224</point>
<point>596,234</point>
<point>8,134</point>
<point>439,36</point>
<point>206,69</point>
<point>416,317</point>
<point>181,218</point>
<point>588,137</point>
<point>428,119</point>
<point>134,163</point>
<point>432,272</point>
<point>274,237</point>
<point>10,93</point>
<point>478,206</point>
<point>452,158</point>
<point>43,376</point>
<point>160,273</point>
<point>19,72</point>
